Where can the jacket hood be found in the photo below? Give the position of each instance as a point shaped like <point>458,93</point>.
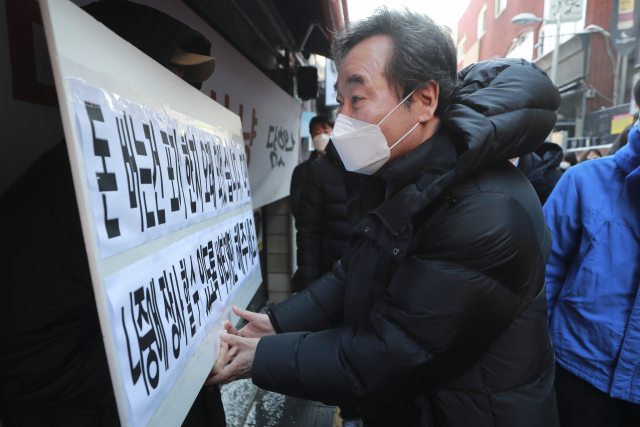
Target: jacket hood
<point>504,109</point>
<point>546,157</point>
<point>628,158</point>
<point>541,168</point>
<point>155,33</point>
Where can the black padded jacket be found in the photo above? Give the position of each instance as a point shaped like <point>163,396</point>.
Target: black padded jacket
<point>436,314</point>
<point>541,169</point>
<point>297,179</point>
<point>321,223</point>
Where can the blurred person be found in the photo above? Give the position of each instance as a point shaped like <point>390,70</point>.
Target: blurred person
<point>320,128</point>
<point>322,224</point>
<point>592,276</point>
<point>322,229</point>
<point>590,155</point>
<point>541,168</point>
<point>435,315</point>
<point>569,159</point>
<point>53,365</point>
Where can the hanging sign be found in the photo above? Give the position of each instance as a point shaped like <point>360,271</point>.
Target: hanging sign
<point>625,15</point>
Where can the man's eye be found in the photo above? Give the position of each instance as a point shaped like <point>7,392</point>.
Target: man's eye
<point>355,99</point>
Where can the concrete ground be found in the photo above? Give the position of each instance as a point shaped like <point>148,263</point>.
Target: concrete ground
<point>246,405</point>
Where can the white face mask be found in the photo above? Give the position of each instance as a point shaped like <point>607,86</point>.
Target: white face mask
<point>565,165</point>
<point>362,146</point>
<point>320,142</point>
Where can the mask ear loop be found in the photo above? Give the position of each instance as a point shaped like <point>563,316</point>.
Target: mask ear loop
<point>405,135</point>
<point>402,102</point>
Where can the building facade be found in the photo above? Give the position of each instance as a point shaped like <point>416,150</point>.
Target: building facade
<point>485,31</point>
<point>593,78</point>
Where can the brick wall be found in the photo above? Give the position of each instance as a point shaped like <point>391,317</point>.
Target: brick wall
<point>279,250</point>
<point>500,31</point>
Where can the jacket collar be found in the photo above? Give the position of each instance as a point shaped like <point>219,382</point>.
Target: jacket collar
<point>314,155</point>
<point>415,179</point>
<point>628,159</point>
<point>332,153</point>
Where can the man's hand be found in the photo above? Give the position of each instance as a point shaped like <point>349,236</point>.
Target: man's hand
<point>242,363</point>
<point>259,325</point>
<point>221,361</point>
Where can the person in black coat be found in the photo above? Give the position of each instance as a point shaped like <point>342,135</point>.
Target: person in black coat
<point>322,225</point>
<point>320,128</point>
<point>53,365</point>
<point>541,168</point>
<point>322,229</point>
<point>436,313</point>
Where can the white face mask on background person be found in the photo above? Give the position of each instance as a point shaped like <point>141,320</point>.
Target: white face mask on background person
<point>362,146</point>
<point>564,165</point>
<point>320,142</point>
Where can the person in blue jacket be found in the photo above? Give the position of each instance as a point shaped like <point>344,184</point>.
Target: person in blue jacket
<point>592,277</point>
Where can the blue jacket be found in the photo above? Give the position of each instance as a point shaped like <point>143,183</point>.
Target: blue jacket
<point>593,272</point>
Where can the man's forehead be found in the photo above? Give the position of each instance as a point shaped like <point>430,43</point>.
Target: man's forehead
<point>365,63</point>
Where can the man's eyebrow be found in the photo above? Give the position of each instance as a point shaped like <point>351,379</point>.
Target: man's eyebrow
<point>354,78</point>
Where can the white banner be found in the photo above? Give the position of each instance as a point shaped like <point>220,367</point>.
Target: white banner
<point>270,117</point>
<point>149,174</point>
<point>164,305</point>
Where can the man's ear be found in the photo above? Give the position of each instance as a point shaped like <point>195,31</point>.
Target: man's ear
<point>427,98</point>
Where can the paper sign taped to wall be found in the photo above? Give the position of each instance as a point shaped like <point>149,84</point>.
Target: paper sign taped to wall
<point>163,306</point>
<point>149,174</point>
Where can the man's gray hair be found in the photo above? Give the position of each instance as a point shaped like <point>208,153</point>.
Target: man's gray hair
<point>422,50</point>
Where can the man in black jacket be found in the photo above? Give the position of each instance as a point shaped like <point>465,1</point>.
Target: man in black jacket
<point>53,366</point>
<point>320,128</point>
<point>435,315</point>
<point>321,222</point>
<point>322,230</point>
<point>541,168</point>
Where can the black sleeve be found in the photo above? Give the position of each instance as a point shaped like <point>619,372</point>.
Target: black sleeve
<point>319,307</point>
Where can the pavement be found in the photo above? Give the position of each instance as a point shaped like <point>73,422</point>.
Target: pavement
<point>246,405</point>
